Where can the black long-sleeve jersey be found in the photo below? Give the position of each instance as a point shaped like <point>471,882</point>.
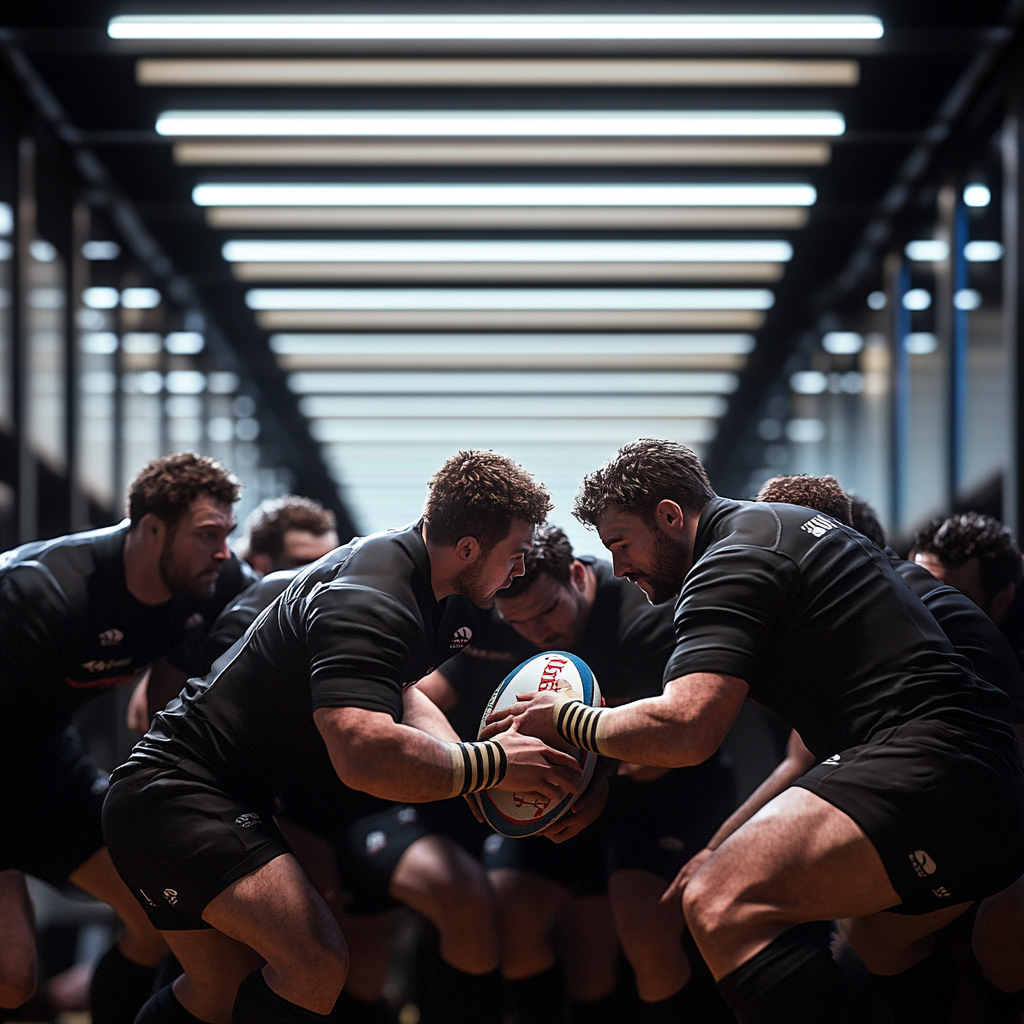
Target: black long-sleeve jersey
<point>351,630</point>
<point>815,620</point>
<point>70,629</point>
<point>626,643</point>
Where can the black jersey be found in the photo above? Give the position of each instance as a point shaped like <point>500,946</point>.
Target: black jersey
<point>70,629</point>
<point>351,630</point>
<point>815,620</point>
<point>971,632</point>
<point>626,643</point>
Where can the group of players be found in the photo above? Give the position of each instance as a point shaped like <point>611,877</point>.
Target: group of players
<point>309,737</point>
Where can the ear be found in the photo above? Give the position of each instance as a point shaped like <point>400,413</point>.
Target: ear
<point>152,529</point>
<point>467,550</point>
<point>261,563</point>
<point>669,517</point>
<point>578,575</point>
<point>1000,604</point>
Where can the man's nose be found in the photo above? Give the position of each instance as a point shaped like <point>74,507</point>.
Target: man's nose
<point>518,569</point>
<point>223,553</point>
<point>620,564</point>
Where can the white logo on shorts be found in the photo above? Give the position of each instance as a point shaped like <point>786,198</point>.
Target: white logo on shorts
<point>171,895</point>
<point>923,864</point>
<point>492,844</point>
<point>833,760</point>
<point>375,842</point>
<point>406,815</point>
<point>818,526</point>
<point>460,638</point>
<point>111,637</point>
<point>247,819</point>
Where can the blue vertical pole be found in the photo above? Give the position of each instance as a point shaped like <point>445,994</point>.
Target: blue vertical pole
<point>900,395</point>
<point>958,356</point>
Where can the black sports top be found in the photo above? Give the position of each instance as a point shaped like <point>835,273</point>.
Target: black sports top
<point>971,632</point>
<point>626,643</point>
<point>70,629</point>
<point>815,620</point>
<point>351,630</point>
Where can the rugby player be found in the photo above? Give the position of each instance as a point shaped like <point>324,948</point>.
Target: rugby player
<point>288,533</point>
<point>321,679</point>
<point>80,615</point>
<point>915,808</point>
<point>655,819</point>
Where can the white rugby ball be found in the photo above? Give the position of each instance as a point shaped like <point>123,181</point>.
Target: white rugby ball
<point>525,814</point>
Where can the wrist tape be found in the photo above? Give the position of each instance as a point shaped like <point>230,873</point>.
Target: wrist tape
<point>477,766</point>
<point>577,723</point>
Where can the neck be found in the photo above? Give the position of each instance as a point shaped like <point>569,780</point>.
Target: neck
<point>142,574</point>
<point>442,574</point>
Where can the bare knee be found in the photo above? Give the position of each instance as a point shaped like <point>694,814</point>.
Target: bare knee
<point>17,986</point>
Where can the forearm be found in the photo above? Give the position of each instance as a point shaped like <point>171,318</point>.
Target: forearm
<point>422,713</point>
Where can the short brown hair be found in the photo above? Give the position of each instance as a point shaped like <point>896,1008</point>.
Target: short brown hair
<point>643,473</point>
<point>551,555</point>
<point>167,486</point>
<point>958,539</point>
<point>480,494</point>
<point>866,521</point>
<point>269,522</point>
<point>821,493</point>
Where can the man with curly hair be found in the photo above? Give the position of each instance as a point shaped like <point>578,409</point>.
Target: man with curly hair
<point>288,533</point>
<point>320,683</point>
<point>80,615</point>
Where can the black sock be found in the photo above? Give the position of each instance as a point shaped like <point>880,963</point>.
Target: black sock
<point>539,999</point>
<point>163,1008</point>
<point>608,1009</point>
<point>792,979</point>
<point>1003,1007</point>
<point>353,1010</point>
<point>924,992</point>
<point>452,996</point>
<point>119,988</point>
<point>257,1001</point>
<point>695,1001</point>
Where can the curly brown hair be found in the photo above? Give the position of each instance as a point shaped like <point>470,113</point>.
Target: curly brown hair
<point>270,521</point>
<point>167,486</point>
<point>480,494</point>
<point>551,555</point>
<point>822,493</point>
<point>960,538</point>
<point>643,473</point>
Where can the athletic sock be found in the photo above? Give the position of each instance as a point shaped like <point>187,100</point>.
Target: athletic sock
<point>119,988</point>
<point>606,1010</point>
<point>257,1001</point>
<point>539,999</point>
<point>693,1002</point>
<point>1003,1007</point>
<point>162,1008</point>
<point>924,992</point>
<point>792,979</point>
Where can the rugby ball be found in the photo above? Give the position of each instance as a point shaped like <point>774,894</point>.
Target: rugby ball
<point>524,814</point>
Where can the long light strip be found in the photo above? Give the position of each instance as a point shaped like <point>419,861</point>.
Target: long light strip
<point>495,72</point>
<point>507,383</point>
<point>515,299</point>
<point>558,124</point>
<point>504,251</point>
<point>540,194</point>
<point>499,28</point>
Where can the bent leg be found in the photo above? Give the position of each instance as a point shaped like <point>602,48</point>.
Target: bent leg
<point>892,943</point>
<point>998,938</point>
<point>527,904</point>
<point>17,941</point>
<point>588,948</point>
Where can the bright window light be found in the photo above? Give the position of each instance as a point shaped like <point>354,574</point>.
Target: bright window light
<point>920,343</point>
<point>805,431</point>
<point>454,195</point>
<point>877,300</point>
<point>185,382</point>
<point>977,195</point>
<point>140,298</point>
<point>498,28</point>
<point>808,382</point>
<point>927,250</point>
<point>917,299</point>
<point>101,298</point>
<point>505,251</point>
<point>139,343</point>
<point>42,251</point>
<point>6,219</point>
<point>98,343</point>
<point>509,298</point>
<point>558,124</point>
<point>184,343</point>
<point>101,250</point>
<point>967,299</point>
<point>983,252</point>
<point>842,343</point>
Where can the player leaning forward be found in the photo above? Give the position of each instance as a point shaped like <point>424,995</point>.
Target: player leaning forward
<point>916,808</point>
<point>323,672</point>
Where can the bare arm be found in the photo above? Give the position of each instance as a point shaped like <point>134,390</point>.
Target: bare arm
<point>684,726</point>
<point>439,690</point>
<point>373,753</point>
<point>422,713</point>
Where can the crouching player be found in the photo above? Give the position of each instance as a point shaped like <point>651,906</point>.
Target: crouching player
<point>655,819</point>
<point>322,677</point>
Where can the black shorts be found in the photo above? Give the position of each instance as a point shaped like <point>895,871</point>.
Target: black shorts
<point>454,820</point>
<point>178,840</point>
<point>52,801</point>
<point>944,812</point>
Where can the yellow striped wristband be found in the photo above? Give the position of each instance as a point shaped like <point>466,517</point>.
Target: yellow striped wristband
<point>578,723</point>
<point>477,766</point>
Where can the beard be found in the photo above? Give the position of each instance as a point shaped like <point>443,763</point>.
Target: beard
<point>468,584</point>
<point>673,564</point>
<point>180,578</point>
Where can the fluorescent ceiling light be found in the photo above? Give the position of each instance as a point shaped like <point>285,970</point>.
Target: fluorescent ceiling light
<point>495,72</point>
<point>506,153</point>
<point>497,28</point>
<point>917,299</point>
<point>927,250</point>
<point>921,343</point>
<point>497,123</point>
<point>505,383</point>
<point>967,299</point>
<point>977,195</point>
<point>475,194</point>
<point>842,343</point>
<point>505,251</point>
<point>983,252</point>
<point>509,298</point>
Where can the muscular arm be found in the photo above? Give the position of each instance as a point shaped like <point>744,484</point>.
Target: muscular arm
<point>439,690</point>
<point>421,712</point>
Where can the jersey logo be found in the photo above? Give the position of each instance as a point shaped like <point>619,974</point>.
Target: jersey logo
<point>171,895</point>
<point>98,665</point>
<point>194,620</point>
<point>923,864</point>
<point>111,637</point>
<point>942,892</point>
<point>248,819</point>
<point>818,526</point>
<point>833,760</point>
<point>460,638</point>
